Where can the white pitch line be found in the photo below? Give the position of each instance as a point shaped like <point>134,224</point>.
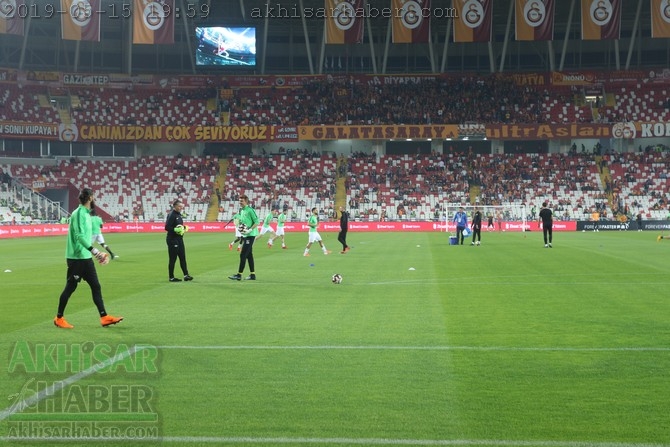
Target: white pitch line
<point>17,407</point>
<point>181,440</point>
<point>419,348</point>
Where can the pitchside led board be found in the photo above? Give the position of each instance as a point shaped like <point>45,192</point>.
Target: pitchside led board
<point>221,46</point>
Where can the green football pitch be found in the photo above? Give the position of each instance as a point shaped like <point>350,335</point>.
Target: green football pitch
<point>423,343</point>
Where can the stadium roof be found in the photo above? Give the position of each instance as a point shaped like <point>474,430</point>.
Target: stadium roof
<point>288,42</point>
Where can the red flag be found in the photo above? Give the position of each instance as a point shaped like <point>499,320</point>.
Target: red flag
<point>80,20</point>
<point>660,18</point>
<point>601,19</point>
<point>12,13</point>
<point>344,21</point>
<point>410,21</point>
<point>534,19</point>
<point>474,20</point>
<point>153,21</point>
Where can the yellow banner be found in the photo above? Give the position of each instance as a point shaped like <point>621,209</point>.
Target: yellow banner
<point>388,132</point>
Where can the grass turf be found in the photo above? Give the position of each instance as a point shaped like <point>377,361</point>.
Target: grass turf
<point>422,344</point>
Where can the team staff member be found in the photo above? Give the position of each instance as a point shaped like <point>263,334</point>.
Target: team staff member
<point>477,228</point>
<point>461,220</point>
<point>547,220</point>
<point>249,218</point>
<point>79,254</point>
<point>344,227</point>
<point>174,225</point>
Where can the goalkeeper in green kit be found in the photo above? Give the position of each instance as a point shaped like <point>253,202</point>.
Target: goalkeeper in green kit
<point>249,229</point>
<point>79,254</point>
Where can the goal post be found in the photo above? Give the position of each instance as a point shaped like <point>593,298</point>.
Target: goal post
<point>511,217</point>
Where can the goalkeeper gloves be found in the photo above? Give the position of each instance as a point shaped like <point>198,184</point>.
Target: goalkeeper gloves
<point>180,229</point>
<point>101,257</point>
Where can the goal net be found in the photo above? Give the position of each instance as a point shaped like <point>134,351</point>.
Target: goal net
<point>513,217</point>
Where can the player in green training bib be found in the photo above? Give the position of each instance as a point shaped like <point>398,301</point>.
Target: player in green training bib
<point>281,220</point>
<point>314,235</point>
<point>97,236</point>
<point>266,228</point>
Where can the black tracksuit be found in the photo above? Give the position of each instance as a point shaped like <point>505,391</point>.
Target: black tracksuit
<point>175,244</point>
<point>344,227</point>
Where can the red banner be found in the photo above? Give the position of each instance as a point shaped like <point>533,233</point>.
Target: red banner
<point>344,23</point>
<point>474,21</point>
<point>12,231</point>
<point>153,21</point>
<point>534,19</point>
<point>410,21</point>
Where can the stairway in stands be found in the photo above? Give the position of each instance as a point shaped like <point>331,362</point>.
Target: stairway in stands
<point>475,191</point>
<point>214,204</point>
<point>340,186</point>
<point>604,175</point>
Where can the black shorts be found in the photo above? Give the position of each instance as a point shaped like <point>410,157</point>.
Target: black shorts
<point>78,269</point>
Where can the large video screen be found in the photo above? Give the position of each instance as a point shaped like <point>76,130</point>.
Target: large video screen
<point>225,46</point>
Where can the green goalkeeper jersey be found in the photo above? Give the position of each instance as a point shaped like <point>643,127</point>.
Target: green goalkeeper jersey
<point>249,217</point>
<point>79,234</point>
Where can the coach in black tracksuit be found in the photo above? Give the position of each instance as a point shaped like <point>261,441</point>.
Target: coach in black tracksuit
<point>344,227</point>
<point>175,242</point>
<point>477,227</point>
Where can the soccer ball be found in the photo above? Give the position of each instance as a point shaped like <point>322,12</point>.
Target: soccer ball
<point>337,278</point>
<point>242,228</point>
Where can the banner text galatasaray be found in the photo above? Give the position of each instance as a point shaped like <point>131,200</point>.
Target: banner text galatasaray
<point>376,132</point>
